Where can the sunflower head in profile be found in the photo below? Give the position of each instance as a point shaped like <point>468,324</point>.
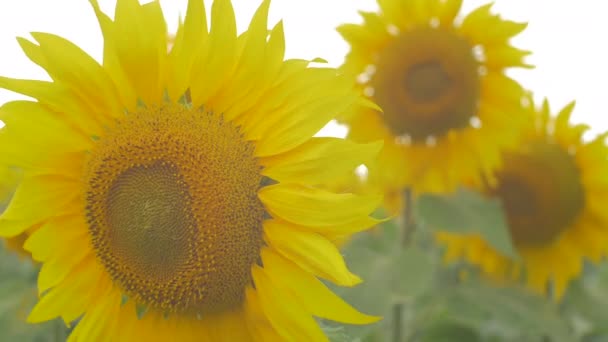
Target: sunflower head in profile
<point>172,194</point>
<point>448,108</point>
<point>553,188</point>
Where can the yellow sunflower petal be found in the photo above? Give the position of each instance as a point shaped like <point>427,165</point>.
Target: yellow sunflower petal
<point>212,68</point>
<point>193,37</point>
<point>311,292</point>
<point>562,122</point>
<point>447,11</point>
<point>140,38</point>
<point>273,61</point>
<point>422,10</point>
<point>68,64</point>
<point>394,10</point>
<point>565,270</point>
<point>258,323</point>
<point>42,137</point>
<point>374,24</point>
<point>501,90</point>
<point>357,35</point>
<point>112,60</point>
<point>496,30</point>
<point>320,159</point>
<point>229,327</point>
<point>57,97</point>
<point>288,126</point>
<point>36,199</point>
<point>506,56</point>
<point>69,299</point>
<point>45,241</point>
<point>57,267</point>
<point>283,311</point>
<point>251,62</point>
<point>91,326</point>
<point>315,207</point>
<point>311,251</point>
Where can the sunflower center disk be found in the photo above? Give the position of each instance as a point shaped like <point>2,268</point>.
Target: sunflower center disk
<point>541,193</point>
<point>427,82</point>
<point>173,211</point>
<point>154,227</point>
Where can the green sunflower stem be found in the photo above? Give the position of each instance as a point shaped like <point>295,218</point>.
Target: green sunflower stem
<point>407,218</point>
<point>408,226</point>
<point>397,321</point>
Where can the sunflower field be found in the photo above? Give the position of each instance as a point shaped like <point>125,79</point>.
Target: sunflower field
<point>179,187</point>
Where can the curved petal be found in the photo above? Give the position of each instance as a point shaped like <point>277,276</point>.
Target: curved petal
<point>258,323</point>
<point>305,105</point>
<point>284,311</point>
<point>46,142</point>
<point>495,30</point>
<point>309,206</point>
<point>319,160</point>
<point>310,251</point>
<point>250,97</point>
<point>141,46</point>
<point>62,262</point>
<point>250,73</point>
<point>311,292</point>
<point>191,39</point>
<point>67,63</point>
<point>112,61</point>
<point>54,235</point>
<point>447,11</point>
<point>98,320</point>
<point>214,66</point>
<point>70,298</point>
<point>36,199</point>
<point>228,327</point>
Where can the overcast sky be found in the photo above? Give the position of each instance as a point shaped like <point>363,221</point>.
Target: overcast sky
<point>567,38</point>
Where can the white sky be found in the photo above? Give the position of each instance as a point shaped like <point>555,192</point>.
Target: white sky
<point>566,37</point>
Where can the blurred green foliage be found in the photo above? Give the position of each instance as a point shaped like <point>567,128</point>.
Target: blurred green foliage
<point>467,212</point>
<point>18,295</point>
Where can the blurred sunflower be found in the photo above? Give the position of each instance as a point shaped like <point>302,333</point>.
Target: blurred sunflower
<point>172,194</point>
<point>447,104</point>
<point>553,190</point>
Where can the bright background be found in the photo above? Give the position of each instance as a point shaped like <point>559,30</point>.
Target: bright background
<point>565,35</point>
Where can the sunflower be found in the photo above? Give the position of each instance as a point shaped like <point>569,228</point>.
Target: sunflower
<point>553,187</point>
<point>173,195</point>
<point>447,104</point>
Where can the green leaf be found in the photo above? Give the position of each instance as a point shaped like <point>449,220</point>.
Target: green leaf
<point>449,331</point>
<point>586,301</point>
<point>390,273</point>
<point>595,337</point>
<point>335,333</point>
<point>467,212</point>
<point>496,313</point>
<point>411,271</point>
